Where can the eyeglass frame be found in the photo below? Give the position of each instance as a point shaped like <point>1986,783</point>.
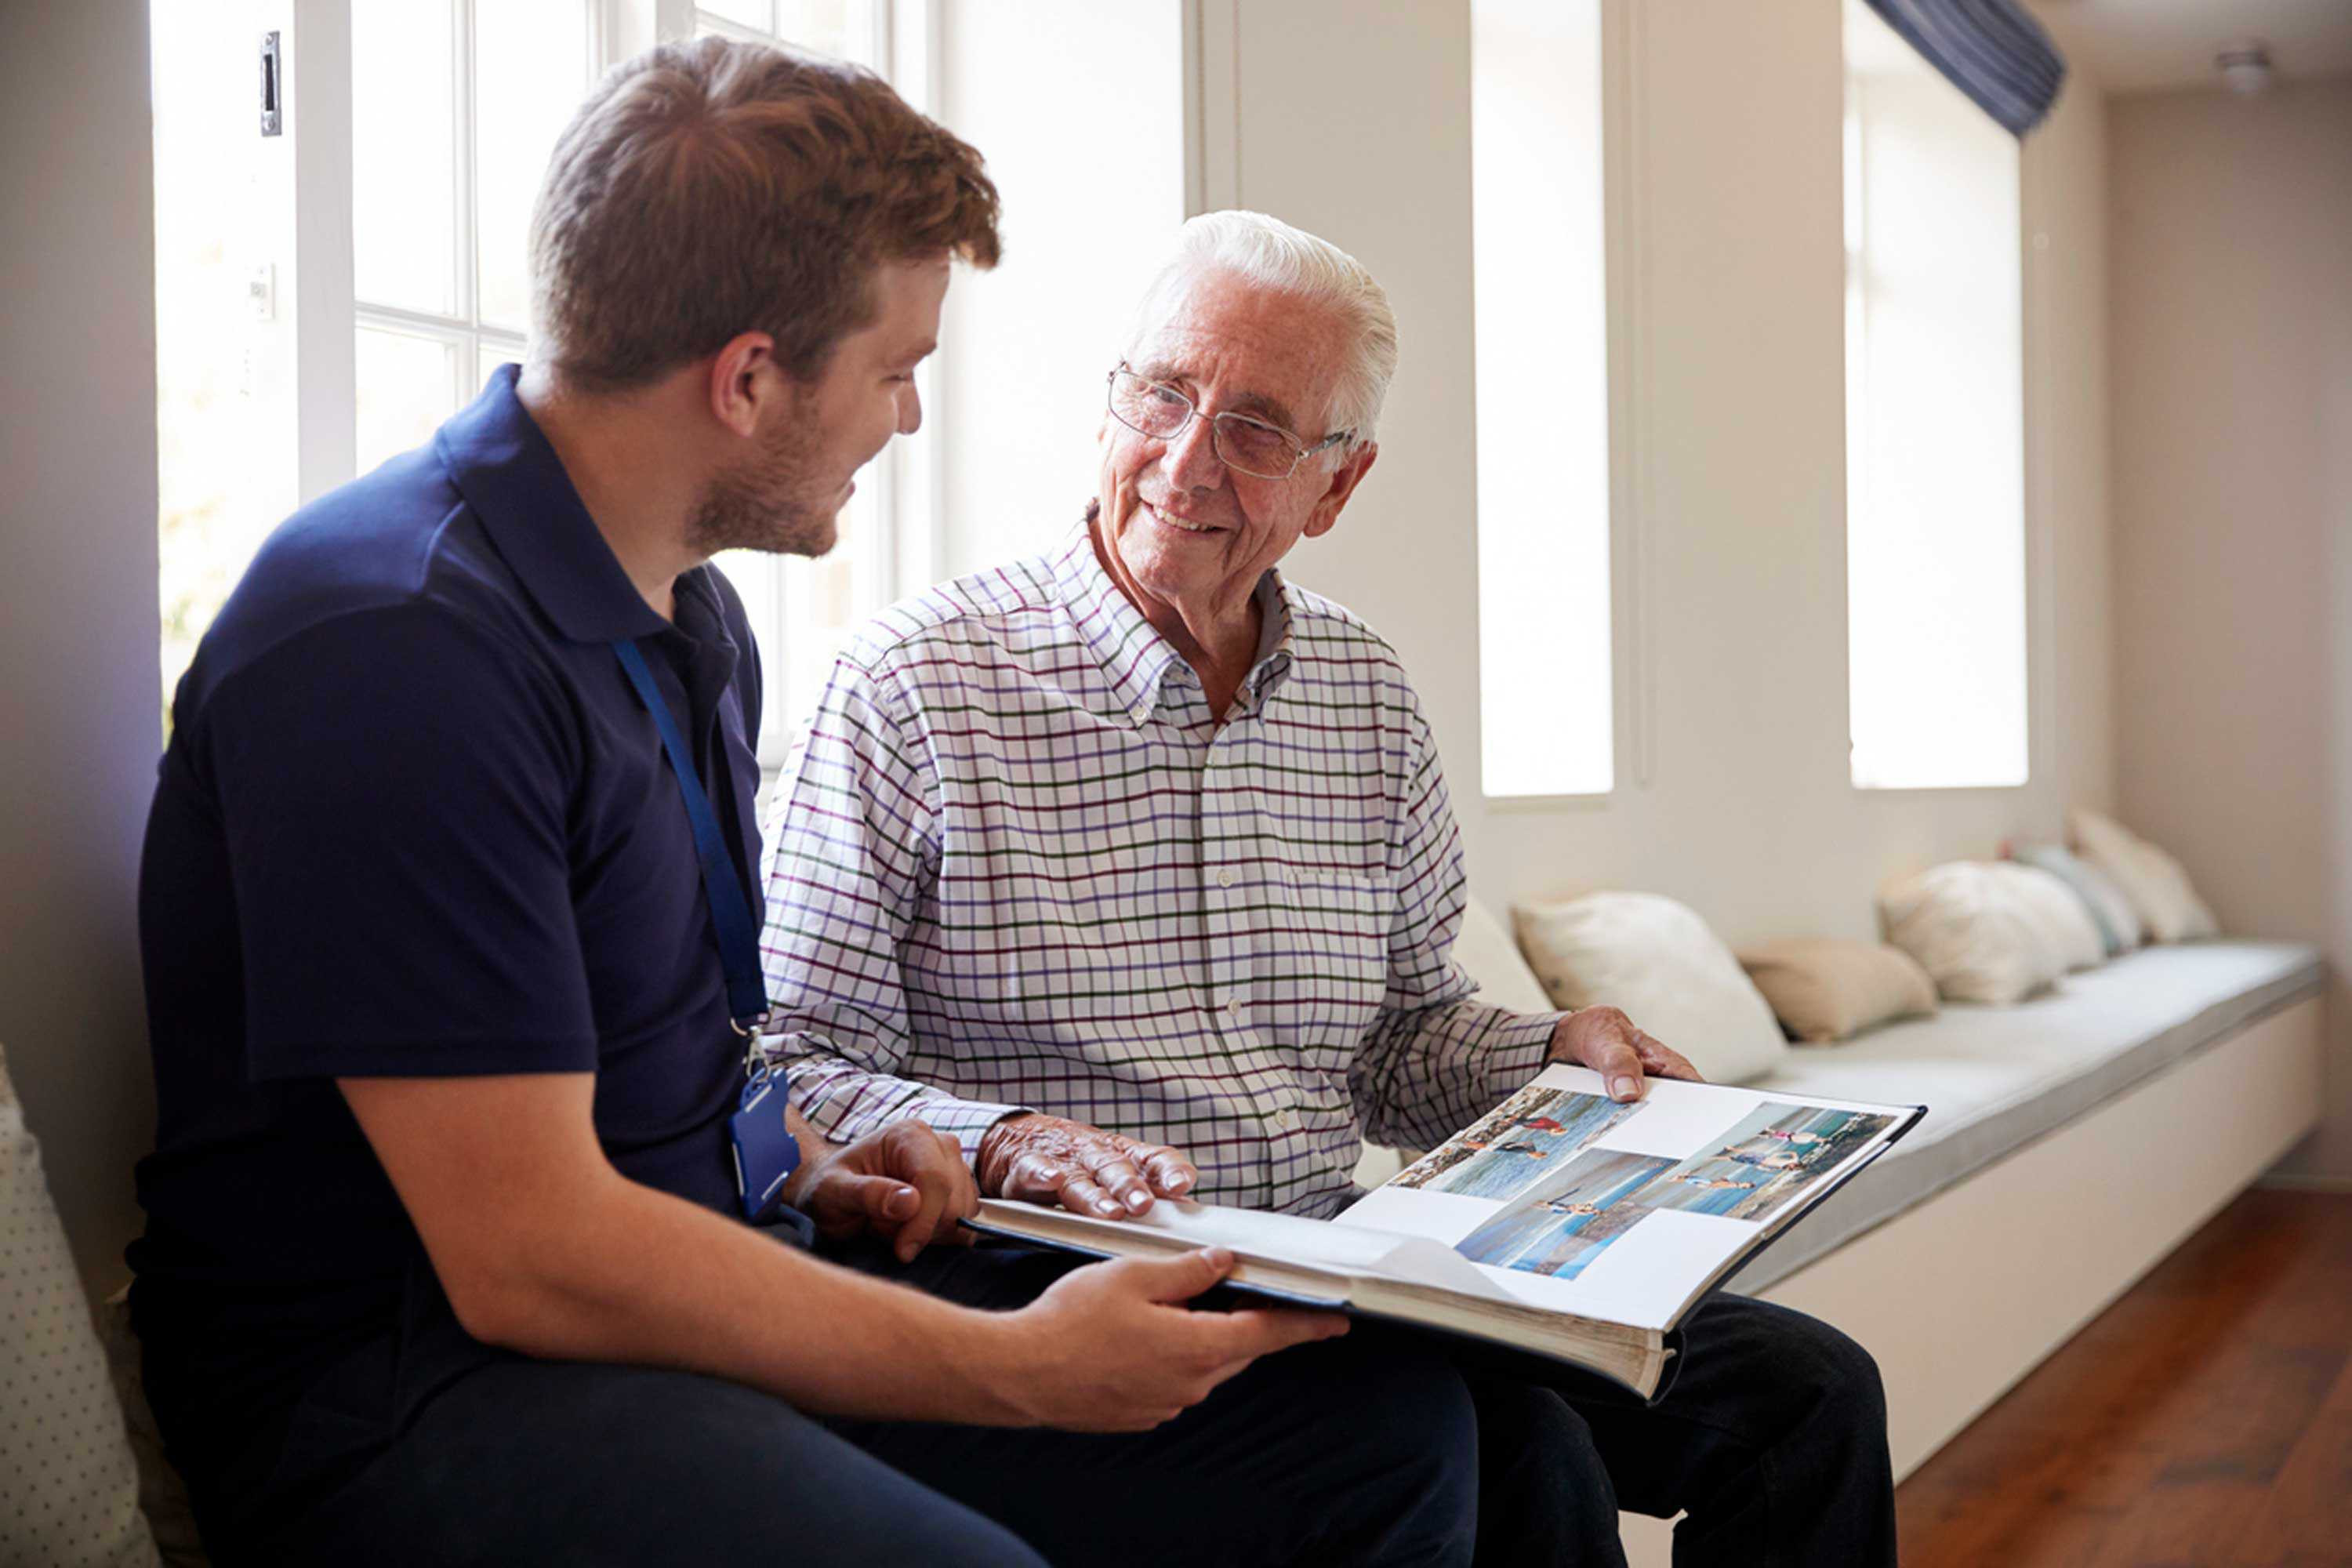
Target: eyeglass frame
<point>1217,423</point>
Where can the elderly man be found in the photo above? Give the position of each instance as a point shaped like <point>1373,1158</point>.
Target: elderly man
<point>1131,867</point>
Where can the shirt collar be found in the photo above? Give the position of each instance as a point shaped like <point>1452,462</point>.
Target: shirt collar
<point>1132,654</point>
<point>502,464</point>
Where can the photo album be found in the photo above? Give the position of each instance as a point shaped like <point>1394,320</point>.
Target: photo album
<point>1560,1224</point>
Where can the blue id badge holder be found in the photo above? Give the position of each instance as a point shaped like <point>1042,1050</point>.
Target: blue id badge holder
<point>766,1153</point>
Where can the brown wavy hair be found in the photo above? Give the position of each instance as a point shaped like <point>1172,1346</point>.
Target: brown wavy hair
<point>712,188</point>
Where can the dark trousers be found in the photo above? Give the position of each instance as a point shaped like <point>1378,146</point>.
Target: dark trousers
<point>1772,1441</point>
<point>1366,1450</point>
<point>1334,1453</point>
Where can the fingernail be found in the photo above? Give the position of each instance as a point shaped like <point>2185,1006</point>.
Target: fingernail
<point>1626,1088</point>
<point>1138,1200</point>
<point>1179,1184</point>
<point>1105,1206</point>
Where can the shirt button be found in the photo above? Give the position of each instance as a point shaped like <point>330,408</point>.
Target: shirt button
<point>1233,1007</point>
<point>1225,877</point>
<point>1285,1119</point>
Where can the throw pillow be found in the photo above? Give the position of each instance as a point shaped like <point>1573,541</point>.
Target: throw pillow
<point>1970,931</point>
<point>1658,962</point>
<point>69,1489</point>
<point>2120,928</point>
<point>2058,917</point>
<point>1826,989</point>
<point>2154,881</point>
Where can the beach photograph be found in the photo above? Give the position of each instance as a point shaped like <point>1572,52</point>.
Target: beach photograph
<point>1772,1155</point>
<point>1570,1218</point>
<point>1535,1133</point>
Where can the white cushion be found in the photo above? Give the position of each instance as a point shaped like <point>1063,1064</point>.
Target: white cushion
<point>2119,924</point>
<point>69,1489</point>
<point>2156,883</point>
<point>1970,930</point>
<point>2057,914</point>
<point>1656,961</point>
<point>1486,951</point>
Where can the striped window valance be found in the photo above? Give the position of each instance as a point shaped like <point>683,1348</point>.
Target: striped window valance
<point>1990,49</point>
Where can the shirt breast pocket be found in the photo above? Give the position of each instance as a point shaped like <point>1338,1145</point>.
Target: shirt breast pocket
<point>1336,950</point>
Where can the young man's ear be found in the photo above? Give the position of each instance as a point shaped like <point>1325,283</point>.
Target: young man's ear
<point>743,375</point>
<point>1344,480</point>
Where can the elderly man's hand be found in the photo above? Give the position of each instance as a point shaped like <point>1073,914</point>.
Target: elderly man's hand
<point>1047,1160</point>
<point>1605,1040</point>
<point>907,1184</point>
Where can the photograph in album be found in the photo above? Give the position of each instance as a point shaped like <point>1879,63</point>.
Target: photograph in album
<point>1564,1224</point>
<point>1515,1145</point>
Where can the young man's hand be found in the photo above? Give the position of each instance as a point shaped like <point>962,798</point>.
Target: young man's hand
<point>1112,1347</point>
<point>906,1183</point>
<point>1047,1160</point>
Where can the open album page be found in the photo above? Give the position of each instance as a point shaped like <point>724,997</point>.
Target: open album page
<point>1572,1202</point>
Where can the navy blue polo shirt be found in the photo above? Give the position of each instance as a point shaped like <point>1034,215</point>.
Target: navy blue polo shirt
<point>414,821</point>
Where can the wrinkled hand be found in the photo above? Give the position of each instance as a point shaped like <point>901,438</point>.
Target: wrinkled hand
<point>1047,1160</point>
<point>1111,1348</point>
<point>907,1184</point>
<point>1605,1040</point>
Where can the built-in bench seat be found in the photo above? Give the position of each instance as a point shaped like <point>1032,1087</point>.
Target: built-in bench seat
<point>1996,1079</point>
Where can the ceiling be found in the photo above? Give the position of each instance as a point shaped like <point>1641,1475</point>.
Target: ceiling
<point>2132,45</point>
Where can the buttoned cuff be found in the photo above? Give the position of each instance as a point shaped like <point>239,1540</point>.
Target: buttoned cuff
<point>1517,1047</point>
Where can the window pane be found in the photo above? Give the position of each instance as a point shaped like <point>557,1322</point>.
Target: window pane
<point>403,138</point>
<point>752,13</point>
<point>530,70</point>
<point>824,26</point>
<point>1934,428</point>
<point>405,388</point>
<point>1542,341</point>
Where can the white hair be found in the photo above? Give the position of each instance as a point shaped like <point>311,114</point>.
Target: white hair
<point>1269,252</point>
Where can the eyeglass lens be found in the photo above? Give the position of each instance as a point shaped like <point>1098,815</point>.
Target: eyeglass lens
<point>1161,413</point>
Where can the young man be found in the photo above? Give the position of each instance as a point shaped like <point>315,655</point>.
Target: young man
<point>447,916</point>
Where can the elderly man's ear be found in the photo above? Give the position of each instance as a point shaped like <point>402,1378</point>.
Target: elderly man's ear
<point>1344,480</point>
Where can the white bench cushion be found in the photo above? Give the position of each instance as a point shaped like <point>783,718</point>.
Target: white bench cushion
<point>1995,1078</point>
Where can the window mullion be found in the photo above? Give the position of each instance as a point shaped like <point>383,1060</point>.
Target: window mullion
<point>325,380</point>
<point>468,258</point>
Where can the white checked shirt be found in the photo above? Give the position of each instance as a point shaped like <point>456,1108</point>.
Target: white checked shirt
<point>1016,864</point>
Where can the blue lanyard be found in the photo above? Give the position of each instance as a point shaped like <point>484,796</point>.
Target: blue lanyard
<point>738,942</point>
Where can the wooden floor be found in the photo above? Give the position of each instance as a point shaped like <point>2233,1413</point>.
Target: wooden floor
<point>2205,1419</point>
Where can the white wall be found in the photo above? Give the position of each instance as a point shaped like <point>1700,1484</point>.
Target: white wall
<point>1733,787</point>
<point>1079,109</point>
<point>80,705</point>
<point>2232,369</point>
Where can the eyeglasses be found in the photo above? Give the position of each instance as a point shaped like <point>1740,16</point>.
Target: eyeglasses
<point>1248,446</point>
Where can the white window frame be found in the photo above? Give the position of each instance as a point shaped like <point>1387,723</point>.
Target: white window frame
<point>321,406</point>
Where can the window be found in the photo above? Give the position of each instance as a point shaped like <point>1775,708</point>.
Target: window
<point>451,107</point>
<point>1935,426</point>
<point>1542,342</point>
<point>454,106</point>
